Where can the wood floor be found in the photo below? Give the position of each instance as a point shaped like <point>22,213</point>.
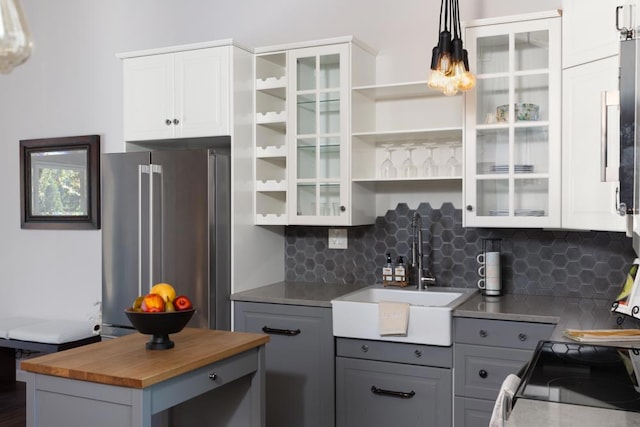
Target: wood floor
<point>13,406</point>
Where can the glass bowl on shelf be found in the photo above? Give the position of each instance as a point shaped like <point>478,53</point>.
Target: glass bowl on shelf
<point>523,112</point>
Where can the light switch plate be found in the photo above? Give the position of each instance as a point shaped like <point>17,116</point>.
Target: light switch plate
<point>337,238</point>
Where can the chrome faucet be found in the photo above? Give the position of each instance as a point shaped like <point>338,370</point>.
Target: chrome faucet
<point>421,278</point>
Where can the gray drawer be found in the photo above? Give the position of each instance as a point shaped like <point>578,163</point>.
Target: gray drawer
<point>480,371</point>
<point>501,333</point>
<point>367,394</point>
<point>414,354</point>
<point>470,412</point>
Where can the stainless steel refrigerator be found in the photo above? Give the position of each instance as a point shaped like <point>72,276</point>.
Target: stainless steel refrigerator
<point>166,218</point>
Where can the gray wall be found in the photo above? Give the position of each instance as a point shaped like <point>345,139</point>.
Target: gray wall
<point>72,85</point>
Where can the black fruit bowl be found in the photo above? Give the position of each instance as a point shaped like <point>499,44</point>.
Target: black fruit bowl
<point>159,325</point>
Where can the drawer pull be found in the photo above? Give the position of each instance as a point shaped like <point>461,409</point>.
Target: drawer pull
<point>400,394</point>
<point>483,333</point>
<point>212,376</point>
<point>364,348</point>
<point>288,332</point>
<point>522,337</point>
<point>483,373</point>
<point>418,353</point>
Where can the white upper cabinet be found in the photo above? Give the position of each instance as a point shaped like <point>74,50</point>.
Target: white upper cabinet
<point>512,123</point>
<point>590,113</point>
<point>303,125</point>
<point>589,29</point>
<point>319,148</point>
<point>177,95</point>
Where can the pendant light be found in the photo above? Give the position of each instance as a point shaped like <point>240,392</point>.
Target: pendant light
<point>15,40</point>
<point>449,61</point>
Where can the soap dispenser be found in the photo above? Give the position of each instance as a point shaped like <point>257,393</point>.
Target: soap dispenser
<point>387,271</point>
<point>400,273</point>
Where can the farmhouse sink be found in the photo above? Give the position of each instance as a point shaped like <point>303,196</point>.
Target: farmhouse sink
<point>355,315</point>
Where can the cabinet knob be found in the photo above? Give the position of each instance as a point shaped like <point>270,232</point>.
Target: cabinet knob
<point>167,122</point>
<point>522,337</point>
<point>342,208</point>
<point>483,373</point>
<point>469,208</point>
<point>364,348</point>
<point>212,376</point>
<point>176,121</point>
<point>483,333</point>
<point>418,353</point>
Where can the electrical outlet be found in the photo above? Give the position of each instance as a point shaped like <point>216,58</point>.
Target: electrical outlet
<point>337,238</point>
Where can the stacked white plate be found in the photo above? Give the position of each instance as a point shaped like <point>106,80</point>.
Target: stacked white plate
<point>518,212</point>
<point>516,168</point>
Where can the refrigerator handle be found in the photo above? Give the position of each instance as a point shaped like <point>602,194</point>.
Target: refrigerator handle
<point>610,98</point>
<point>155,169</point>
<point>142,170</point>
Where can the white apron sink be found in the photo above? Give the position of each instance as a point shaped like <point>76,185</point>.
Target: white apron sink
<point>355,315</point>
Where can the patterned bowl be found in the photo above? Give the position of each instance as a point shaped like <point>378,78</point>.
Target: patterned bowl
<point>523,111</point>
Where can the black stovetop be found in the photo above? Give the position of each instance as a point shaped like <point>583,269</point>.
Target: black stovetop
<point>583,374</point>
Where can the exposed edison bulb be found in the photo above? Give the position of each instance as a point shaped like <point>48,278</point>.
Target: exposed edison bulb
<point>445,64</point>
<point>463,78</point>
<point>436,80</point>
<point>450,87</point>
<point>15,40</point>
<point>467,81</point>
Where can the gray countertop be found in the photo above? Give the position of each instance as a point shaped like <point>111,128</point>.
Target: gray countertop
<point>533,413</point>
<point>566,313</point>
<point>297,293</point>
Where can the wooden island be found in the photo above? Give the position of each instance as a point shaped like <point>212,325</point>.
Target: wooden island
<point>209,378</point>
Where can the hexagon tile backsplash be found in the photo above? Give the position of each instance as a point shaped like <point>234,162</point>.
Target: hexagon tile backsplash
<point>535,262</point>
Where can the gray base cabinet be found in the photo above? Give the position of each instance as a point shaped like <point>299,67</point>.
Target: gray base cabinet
<point>485,353</point>
<point>299,363</point>
<point>472,412</point>
<point>391,384</point>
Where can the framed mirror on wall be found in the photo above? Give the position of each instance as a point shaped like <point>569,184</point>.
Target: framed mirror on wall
<point>60,183</point>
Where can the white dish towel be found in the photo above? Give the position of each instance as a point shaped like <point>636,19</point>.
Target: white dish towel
<point>393,318</point>
<point>502,408</point>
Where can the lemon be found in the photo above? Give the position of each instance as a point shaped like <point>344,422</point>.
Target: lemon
<point>165,290</point>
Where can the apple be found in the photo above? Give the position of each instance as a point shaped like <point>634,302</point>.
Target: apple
<point>182,303</point>
<point>152,303</point>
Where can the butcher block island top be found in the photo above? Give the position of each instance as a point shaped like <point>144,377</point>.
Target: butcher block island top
<point>125,361</point>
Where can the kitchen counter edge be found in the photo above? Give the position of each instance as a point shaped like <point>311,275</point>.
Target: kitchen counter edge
<point>297,293</point>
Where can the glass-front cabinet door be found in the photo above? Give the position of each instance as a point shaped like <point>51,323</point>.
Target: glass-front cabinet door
<point>512,125</point>
<point>318,139</point>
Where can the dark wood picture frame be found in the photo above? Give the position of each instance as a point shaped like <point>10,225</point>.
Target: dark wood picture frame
<point>78,156</point>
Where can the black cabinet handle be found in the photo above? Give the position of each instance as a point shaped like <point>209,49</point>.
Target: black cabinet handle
<point>176,121</point>
<point>483,333</point>
<point>168,122</point>
<point>483,373</point>
<point>469,208</point>
<point>288,332</point>
<point>522,337</point>
<point>400,394</point>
